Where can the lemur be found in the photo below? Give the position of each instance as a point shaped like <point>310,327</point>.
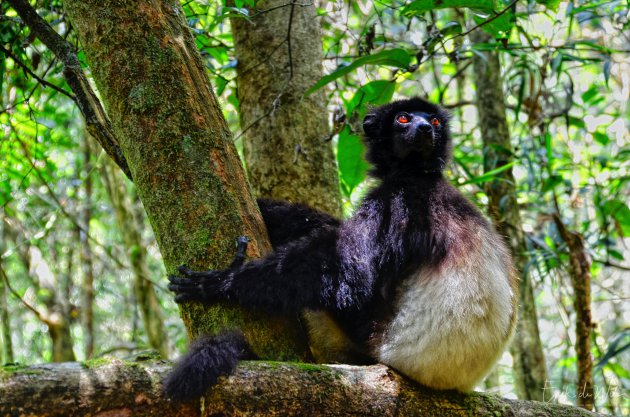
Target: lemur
<point>416,279</point>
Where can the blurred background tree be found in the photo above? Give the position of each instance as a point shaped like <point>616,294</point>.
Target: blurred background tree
<point>539,94</point>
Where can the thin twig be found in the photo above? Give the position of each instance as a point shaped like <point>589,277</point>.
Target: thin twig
<point>39,315</point>
<point>289,39</point>
<point>30,72</point>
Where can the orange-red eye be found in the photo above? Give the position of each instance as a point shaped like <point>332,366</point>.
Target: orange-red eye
<point>435,121</point>
<point>403,118</point>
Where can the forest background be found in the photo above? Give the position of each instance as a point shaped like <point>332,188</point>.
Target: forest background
<point>538,91</point>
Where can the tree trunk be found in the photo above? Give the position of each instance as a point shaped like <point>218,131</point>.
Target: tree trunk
<point>256,389</point>
<point>179,151</point>
<point>5,335</point>
<point>150,310</point>
<point>62,343</point>
<point>529,363</point>
<point>7,344</point>
<point>87,284</point>
<point>580,271</point>
<point>286,135</point>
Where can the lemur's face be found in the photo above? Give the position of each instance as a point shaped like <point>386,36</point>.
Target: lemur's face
<point>409,135</point>
<point>415,134</point>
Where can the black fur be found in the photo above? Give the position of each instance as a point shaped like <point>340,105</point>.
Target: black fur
<point>207,359</point>
<point>349,268</point>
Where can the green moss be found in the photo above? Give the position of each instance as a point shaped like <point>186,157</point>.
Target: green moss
<point>7,371</point>
<point>309,367</point>
<point>96,362</point>
<point>12,368</point>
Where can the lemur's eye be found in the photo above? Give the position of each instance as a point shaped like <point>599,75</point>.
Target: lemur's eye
<point>402,118</point>
<point>435,121</point>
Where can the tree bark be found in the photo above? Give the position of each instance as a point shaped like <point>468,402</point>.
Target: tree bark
<point>179,150</point>
<point>580,272</point>
<point>144,291</point>
<point>286,135</point>
<point>529,364</point>
<point>256,389</point>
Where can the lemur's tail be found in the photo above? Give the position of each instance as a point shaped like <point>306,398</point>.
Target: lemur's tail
<point>207,359</point>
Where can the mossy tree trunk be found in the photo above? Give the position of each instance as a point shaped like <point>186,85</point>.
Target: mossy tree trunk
<point>529,363</point>
<point>179,150</point>
<point>286,135</point>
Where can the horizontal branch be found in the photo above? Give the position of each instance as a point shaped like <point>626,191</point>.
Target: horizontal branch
<point>257,388</point>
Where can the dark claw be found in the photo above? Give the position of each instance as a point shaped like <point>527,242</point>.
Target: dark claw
<point>182,298</point>
<point>241,248</point>
<point>184,270</point>
<point>174,279</point>
<point>195,275</point>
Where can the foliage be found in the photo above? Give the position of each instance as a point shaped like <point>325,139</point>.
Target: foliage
<point>565,70</point>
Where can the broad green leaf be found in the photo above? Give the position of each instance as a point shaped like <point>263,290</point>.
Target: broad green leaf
<point>352,166</point>
<point>483,13</point>
<point>419,7</point>
<point>393,57</point>
<point>375,92</point>
<point>620,212</point>
<point>499,27</point>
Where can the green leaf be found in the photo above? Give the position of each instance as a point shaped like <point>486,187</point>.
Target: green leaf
<point>589,94</point>
<point>551,4</point>
<point>551,183</point>
<point>352,166</point>
<point>601,137</point>
<point>488,176</point>
<point>548,149</point>
<point>499,27</point>
<point>418,7</point>
<point>451,28</point>
<point>375,92</point>
<point>483,11</point>
<point>394,58</point>
<point>620,212</point>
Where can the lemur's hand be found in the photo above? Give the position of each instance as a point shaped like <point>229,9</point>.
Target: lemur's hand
<point>206,287</point>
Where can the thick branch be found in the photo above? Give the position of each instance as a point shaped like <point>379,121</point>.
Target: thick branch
<point>257,389</point>
<point>96,120</point>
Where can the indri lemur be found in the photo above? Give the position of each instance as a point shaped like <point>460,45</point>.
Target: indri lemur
<point>417,279</point>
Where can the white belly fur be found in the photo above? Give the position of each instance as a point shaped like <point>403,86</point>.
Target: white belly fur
<point>453,321</point>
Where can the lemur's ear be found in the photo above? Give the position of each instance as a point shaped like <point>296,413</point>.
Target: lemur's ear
<point>370,125</point>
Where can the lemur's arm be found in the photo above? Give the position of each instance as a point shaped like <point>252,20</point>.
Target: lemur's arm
<point>289,221</point>
<point>330,268</point>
